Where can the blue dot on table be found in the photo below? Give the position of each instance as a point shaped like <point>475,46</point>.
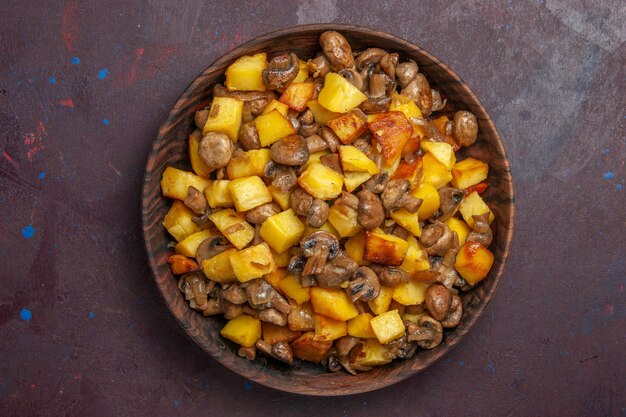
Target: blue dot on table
<point>28,231</point>
<point>608,175</point>
<point>26,314</point>
<point>105,122</point>
<point>102,74</point>
<point>52,80</point>
<point>618,186</point>
<point>247,386</point>
<point>75,60</point>
<point>92,314</point>
<point>42,175</point>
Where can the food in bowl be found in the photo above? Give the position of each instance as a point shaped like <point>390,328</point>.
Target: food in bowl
<point>327,217</point>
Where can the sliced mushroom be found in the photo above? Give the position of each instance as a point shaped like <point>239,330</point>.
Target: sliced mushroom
<point>437,301</point>
<point>260,293</point>
<point>405,72</point>
<point>482,232</point>
<point>213,307</point>
<point>368,57</point>
<point>390,276</point>
<point>247,352</point>
<point>396,196</point>
<point>364,285</point>
<point>448,275</point>
<point>210,247</point>
<point>318,247</point>
<point>377,85</point>
<point>284,178</point>
<point>195,200</point>
<point>437,238</point>
<point>196,288</point>
<point>282,352</point>
<point>280,71</point>
<point>376,104</point>
<point>301,201</point>
<point>450,199</point>
<point>308,127</point>
<point>371,211</point>
<point>349,200</point>
<point>337,50</point>
<point>296,265</point>
<point>354,77</point>
<point>345,344</point>
<point>465,128</point>
<point>418,90</point>
<point>331,139</point>
<point>377,183</point>
<point>235,294</point>
<point>291,150</point>
<point>455,313</point>
<point>363,144</point>
<point>388,65</point>
<point>319,66</point>
<point>272,315</point>
<point>249,137</point>
<point>318,213</point>
<point>337,272</point>
<point>200,118</point>
<point>315,143</point>
<point>401,348</point>
<point>231,310</point>
<point>428,332</point>
<point>332,161</point>
<point>300,318</point>
<point>259,214</point>
<point>216,149</point>
<point>438,103</point>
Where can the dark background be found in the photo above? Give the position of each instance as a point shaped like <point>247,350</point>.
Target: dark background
<point>84,86</point>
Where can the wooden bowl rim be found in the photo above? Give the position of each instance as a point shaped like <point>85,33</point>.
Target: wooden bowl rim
<point>274,381</point>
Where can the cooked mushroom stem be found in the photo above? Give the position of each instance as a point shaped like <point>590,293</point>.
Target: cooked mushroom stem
<point>428,333</point>
<point>482,232</point>
<point>364,285</point>
<point>465,128</point>
<point>437,301</point>
<point>271,315</point>
<point>378,84</point>
<point>371,211</point>
<point>195,200</point>
<point>247,352</point>
<point>331,138</point>
<point>281,70</point>
<point>337,50</point>
<point>216,149</point>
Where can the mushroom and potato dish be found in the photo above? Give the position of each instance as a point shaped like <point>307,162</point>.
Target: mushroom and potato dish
<point>326,216</point>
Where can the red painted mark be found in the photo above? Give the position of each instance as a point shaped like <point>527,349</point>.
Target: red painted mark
<point>8,158</point>
<point>144,64</point>
<point>69,27</point>
<point>33,141</point>
<point>620,287</point>
<point>608,309</point>
<point>78,376</point>
<point>132,74</point>
<point>236,41</point>
<point>67,102</point>
<point>33,386</point>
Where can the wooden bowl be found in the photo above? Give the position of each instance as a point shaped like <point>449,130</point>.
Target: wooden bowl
<point>170,148</point>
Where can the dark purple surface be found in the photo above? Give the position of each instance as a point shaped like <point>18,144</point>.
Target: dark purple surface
<point>83,329</point>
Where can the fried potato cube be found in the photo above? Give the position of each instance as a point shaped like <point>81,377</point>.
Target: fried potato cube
<point>252,262</point>
<point>339,95</point>
<point>218,195</point>
<point>197,164</point>
<point>281,259</point>
<point>276,105</point>
<point>245,74</point>
<point>384,249</point>
<point>321,114</point>
<point>430,200</point>
<point>387,326</point>
<point>407,220</point>
<point>189,245</point>
<point>473,205</point>
<point>218,267</point>
<point>225,116</point>
<point>468,172</point>
<point>180,264</point>
<point>381,303</point>
<point>442,152</point>
<point>351,180</point>
<point>273,334</point>
<point>272,126</point>
<point>310,348</point>
<point>248,163</point>
<point>360,326</point>
<point>175,183</point>
<point>277,275</point>
<point>435,173</point>
<point>409,171</point>
<point>460,227</point>
<point>243,330</point>
<point>303,72</point>
<point>354,160</point>
<point>238,231</point>
<point>344,220</point>
<point>321,181</point>
<point>392,130</point>
<point>297,95</point>
<point>178,221</point>
<point>355,247</point>
<point>249,192</point>
<point>348,127</point>
<point>372,353</point>
<point>405,105</point>
<point>282,231</point>
<point>329,329</point>
<point>473,262</point>
<point>281,198</point>
<point>416,259</point>
<point>332,303</point>
<point>410,293</point>
<point>292,288</point>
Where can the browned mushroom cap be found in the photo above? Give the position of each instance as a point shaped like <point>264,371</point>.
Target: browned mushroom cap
<point>371,212</point>
<point>438,103</point>
<point>231,310</point>
<point>261,98</point>
<point>280,71</point>
<point>216,149</point>
<point>465,128</point>
<point>377,183</point>
<point>332,161</point>
<point>376,104</point>
<point>418,90</point>
<point>482,232</point>
<point>405,72</point>
<point>363,144</point>
<point>249,137</point>
<point>378,85</point>
<point>354,77</point>
<point>454,314</point>
<point>259,214</point>
<point>247,352</point>
<point>308,127</point>
<point>345,344</point>
<point>300,318</point>
<point>260,293</point>
<point>428,332</point>
<point>364,284</point>
<point>195,200</point>
<point>331,138</point>
<point>235,294</point>
<point>390,276</point>
<point>196,288</point>
<point>388,65</point>
<point>349,200</point>
<point>200,118</point>
<point>291,150</point>
<point>282,352</point>
<point>318,66</point>
<point>337,272</point>
<point>369,56</point>
<point>448,275</point>
<point>437,239</point>
<point>283,177</point>
<point>272,315</point>
<point>437,301</point>
<point>318,247</point>
<point>213,307</point>
<point>396,196</point>
<point>300,201</point>
<point>315,143</point>
<point>318,213</point>
<point>450,199</point>
<point>210,247</point>
<point>337,50</point>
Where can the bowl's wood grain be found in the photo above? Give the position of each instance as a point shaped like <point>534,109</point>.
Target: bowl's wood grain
<point>170,148</point>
